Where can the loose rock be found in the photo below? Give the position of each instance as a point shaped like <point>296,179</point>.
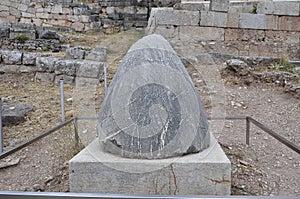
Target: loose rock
<point>15,113</point>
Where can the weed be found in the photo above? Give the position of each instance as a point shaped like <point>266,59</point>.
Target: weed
<point>46,48</point>
<point>254,9</point>
<point>22,38</point>
<point>284,65</point>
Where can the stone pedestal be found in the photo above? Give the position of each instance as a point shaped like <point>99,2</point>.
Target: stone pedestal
<point>204,173</point>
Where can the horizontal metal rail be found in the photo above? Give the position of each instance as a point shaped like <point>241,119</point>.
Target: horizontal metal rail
<point>248,119</point>
<point>228,118</point>
<point>60,195</point>
<point>280,138</point>
<point>33,139</point>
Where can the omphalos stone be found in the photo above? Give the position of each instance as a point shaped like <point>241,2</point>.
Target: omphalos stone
<point>151,109</point>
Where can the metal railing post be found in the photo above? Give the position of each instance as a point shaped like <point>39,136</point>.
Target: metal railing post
<point>247,131</point>
<point>62,102</point>
<point>76,133</point>
<point>1,135</point>
<point>105,77</point>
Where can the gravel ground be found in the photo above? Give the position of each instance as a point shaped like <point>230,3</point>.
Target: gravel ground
<point>265,167</point>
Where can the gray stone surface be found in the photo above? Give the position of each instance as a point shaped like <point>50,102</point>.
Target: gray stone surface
<point>68,67</point>
<point>15,113</point>
<point>169,16</point>
<point>29,58</point>
<point>258,21</point>
<point>287,8</point>
<point>205,173</point>
<point>75,53</point>
<point>151,109</point>
<point>11,57</point>
<point>97,54</point>
<point>4,32</point>
<point>49,34</point>
<point>219,5</point>
<point>201,33</point>
<point>211,18</point>
<point>46,64</point>
<point>45,77</point>
<point>279,8</point>
<point>91,69</point>
<point>237,66</point>
<point>191,6</point>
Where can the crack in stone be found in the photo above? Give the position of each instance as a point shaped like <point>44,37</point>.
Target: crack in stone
<point>174,177</point>
<point>218,181</point>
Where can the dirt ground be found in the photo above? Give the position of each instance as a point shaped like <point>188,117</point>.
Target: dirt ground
<point>265,167</point>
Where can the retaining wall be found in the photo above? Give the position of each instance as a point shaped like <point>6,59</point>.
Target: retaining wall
<point>78,63</point>
<point>81,15</point>
<point>230,28</point>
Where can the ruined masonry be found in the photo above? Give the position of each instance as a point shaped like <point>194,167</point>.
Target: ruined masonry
<point>233,28</point>
<point>79,63</point>
<point>107,15</point>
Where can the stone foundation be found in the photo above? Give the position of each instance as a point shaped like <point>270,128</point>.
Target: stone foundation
<point>204,173</point>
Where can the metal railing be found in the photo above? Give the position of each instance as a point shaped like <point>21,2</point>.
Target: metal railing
<point>248,120</point>
<point>60,195</point>
<point>266,129</point>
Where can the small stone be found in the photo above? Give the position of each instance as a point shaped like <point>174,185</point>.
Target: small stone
<point>38,187</point>
<point>244,163</point>
<point>237,66</point>
<point>49,34</point>
<point>49,179</point>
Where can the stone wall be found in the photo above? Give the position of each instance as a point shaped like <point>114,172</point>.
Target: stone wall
<point>81,15</point>
<point>231,28</point>
<point>78,63</point>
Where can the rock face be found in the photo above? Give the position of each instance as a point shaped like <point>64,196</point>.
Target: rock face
<point>237,66</point>
<point>49,34</point>
<point>15,113</point>
<point>152,109</point>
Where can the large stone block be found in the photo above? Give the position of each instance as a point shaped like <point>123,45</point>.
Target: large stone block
<point>190,6</point>
<point>169,32</point>
<point>90,69</point>
<point>279,8</point>
<point>97,54</point>
<point>205,173</point>
<point>151,109</point>
<point>75,53</point>
<point>168,16</point>
<point>11,57</point>
<point>4,33</point>
<point>198,34</point>
<point>219,5</point>
<point>45,77</point>
<point>233,20</point>
<point>46,64</point>
<point>289,23</point>
<point>4,8</point>
<point>67,67</point>
<point>211,18</point>
<point>29,58</point>
<point>258,21</point>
